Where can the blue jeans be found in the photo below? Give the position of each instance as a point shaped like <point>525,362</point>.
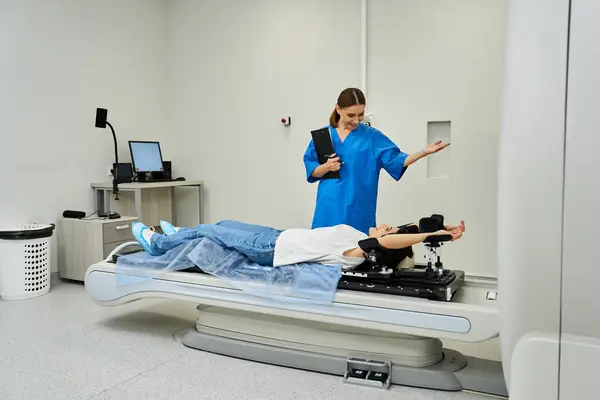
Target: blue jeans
<point>254,241</point>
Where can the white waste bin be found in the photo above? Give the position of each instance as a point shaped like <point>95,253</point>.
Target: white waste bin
<point>25,261</point>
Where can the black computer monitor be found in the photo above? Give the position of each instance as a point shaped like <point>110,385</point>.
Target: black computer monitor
<point>146,157</point>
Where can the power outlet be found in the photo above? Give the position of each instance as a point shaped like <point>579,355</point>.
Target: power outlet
<point>368,120</point>
<point>109,171</point>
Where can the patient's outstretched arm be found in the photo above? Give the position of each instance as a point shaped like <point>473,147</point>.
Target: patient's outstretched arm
<point>402,240</point>
<point>384,229</point>
<point>389,237</point>
<point>399,241</point>
<point>456,228</point>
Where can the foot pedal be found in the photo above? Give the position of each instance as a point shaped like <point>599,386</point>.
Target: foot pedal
<point>368,373</point>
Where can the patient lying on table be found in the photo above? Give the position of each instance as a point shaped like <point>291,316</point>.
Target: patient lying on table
<point>266,246</point>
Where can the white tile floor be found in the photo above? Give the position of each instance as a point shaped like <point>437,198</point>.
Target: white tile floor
<point>63,346</point>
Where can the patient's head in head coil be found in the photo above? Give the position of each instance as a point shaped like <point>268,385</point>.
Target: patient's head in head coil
<point>379,257</point>
<point>392,258</point>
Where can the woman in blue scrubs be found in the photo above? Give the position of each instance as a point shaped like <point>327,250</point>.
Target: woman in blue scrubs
<point>361,152</point>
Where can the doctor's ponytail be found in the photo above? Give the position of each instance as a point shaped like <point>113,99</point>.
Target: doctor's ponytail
<point>334,118</point>
<point>348,98</point>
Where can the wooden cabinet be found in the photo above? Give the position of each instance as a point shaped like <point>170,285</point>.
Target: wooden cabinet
<point>83,242</point>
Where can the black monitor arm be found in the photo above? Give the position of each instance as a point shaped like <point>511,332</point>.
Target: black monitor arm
<point>116,169</point>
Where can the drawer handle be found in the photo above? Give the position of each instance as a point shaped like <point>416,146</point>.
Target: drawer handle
<point>121,227</point>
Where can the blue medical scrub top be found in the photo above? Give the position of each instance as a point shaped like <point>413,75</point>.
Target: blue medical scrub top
<point>352,199</point>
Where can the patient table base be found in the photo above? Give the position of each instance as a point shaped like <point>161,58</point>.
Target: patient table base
<point>454,373</point>
<point>450,371</point>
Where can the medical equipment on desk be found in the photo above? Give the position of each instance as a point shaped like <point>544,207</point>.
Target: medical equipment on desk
<point>123,172</point>
<point>148,163</point>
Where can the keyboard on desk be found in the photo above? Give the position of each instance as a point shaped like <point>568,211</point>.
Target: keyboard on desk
<point>156,180</point>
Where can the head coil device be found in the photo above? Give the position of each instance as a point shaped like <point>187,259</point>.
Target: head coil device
<point>381,259</point>
<point>434,243</point>
<point>384,261</point>
<point>373,249</point>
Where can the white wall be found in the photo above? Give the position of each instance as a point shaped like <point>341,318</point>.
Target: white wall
<point>432,60</point>
<point>61,60</point>
<point>235,69</point>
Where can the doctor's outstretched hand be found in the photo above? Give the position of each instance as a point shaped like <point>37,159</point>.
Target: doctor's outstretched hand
<point>435,147</point>
<point>430,149</point>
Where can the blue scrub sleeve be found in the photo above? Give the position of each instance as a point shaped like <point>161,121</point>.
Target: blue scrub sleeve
<point>311,162</point>
<point>389,156</point>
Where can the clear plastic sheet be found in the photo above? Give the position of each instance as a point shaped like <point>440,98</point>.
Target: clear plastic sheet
<point>139,267</point>
<point>305,282</point>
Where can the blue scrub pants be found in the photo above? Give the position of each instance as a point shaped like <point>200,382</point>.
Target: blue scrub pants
<point>256,242</point>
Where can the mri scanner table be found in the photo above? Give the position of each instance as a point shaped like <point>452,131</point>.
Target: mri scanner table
<point>402,331</point>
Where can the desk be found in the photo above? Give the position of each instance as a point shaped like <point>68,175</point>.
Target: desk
<point>154,207</point>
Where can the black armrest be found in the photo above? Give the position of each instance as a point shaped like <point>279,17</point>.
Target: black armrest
<point>437,238</point>
<point>431,224</point>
